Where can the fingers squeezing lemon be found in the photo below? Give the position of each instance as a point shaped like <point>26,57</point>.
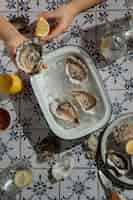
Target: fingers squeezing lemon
<point>42,28</point>
<point>23,178</point>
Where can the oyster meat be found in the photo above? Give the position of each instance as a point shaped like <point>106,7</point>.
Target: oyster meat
<point>123,133</point>
<point>91,146</point>
<point>63,168</point>
<point>119,162</point>
<point>46,149</point>
<point>29,57</point>
<point>64,110</point>
<point>86,100</point>
<point>76,70</point>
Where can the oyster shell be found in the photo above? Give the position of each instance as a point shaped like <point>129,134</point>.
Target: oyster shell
<point>64,110</point>
<point>46,149</point>
<point>119,162</point>
<point>86,100</point>
<point>21,24</point>
<point>123,133</point>
<point>63,168</point>
<point>91,146</point>
<point>76,70</point>
<point>28,57</point>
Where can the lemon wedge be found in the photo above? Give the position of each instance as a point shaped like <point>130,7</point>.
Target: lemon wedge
<point>10,83</point>
<point>23,178</point>
<point>17,84</point>
<point>129,147</point>
<point>42,28</point>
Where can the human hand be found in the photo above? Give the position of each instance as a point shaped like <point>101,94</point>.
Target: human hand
<point>13,42</point>
<point>63,17</point>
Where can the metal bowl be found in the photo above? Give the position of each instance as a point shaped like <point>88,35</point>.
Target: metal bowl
<point>108,142</point>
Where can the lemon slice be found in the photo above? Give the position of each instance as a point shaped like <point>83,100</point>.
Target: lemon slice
<point>23,178</point>
<point>42,28</point>
<point>129,147</point>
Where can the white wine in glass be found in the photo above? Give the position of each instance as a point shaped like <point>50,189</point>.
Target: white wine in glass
<point>113,46</point>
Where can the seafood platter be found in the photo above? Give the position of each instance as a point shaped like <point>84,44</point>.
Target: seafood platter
<point>116,152</point>
<point>70,92</point>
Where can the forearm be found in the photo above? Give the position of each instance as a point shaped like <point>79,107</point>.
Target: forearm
<point>9,34</point>
<point>7,30</point>
<point>80,5</point>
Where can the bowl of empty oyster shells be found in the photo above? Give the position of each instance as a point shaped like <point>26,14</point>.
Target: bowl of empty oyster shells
<point>71,94</point>
<point>115,155</point>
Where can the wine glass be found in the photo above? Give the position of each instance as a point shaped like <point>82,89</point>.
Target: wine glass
<point>15,177</point>
<point>129,33</point>
<point>113,44</point>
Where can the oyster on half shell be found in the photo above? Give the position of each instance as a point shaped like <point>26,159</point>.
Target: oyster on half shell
<point>123,133</point>
<point>76,70</point>
<point>65,111</point>
<point>119,162</point>
<point>28,57</point>
<point>86,100</point>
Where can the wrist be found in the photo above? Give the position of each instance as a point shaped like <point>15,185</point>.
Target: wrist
<point>15,40</point>
<point>72,9</point>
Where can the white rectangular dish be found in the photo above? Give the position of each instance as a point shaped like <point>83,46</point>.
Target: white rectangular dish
<point>52,83</point>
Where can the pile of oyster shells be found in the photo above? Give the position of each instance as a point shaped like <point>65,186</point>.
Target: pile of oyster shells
<point>69,111</point>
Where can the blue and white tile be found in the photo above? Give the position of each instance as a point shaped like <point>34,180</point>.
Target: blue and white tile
<point>79,155</point>
<point>6,64</point>
<point>52,4</point>
<point>28,151</point>
<point>8,5</point>
<point>9,14</point>
<point>35,135</point>
<point>31,115</point>
<point>10,140</point>
<point>46,4</point>
<point>117,18</point>
<point>38,5</point>
<point>114,75</point>
<point>113,5</point>
<point>41,188</point>
<point>23,7</point>
<point>30,112</point>
<point>121,103</point>
<point>86,19</point>
<point>81,27</point>
<point>82,185</point>
<point>9,147</point>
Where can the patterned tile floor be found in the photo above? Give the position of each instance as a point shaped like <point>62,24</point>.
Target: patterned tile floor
<point>27,121</point>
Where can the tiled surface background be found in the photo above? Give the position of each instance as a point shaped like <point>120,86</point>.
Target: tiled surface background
<point>27,119</point>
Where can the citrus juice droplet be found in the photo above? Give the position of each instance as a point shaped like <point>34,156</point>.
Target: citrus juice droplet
<point>10,84</point>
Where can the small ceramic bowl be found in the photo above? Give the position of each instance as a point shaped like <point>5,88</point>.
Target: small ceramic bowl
<point>5,120</point>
